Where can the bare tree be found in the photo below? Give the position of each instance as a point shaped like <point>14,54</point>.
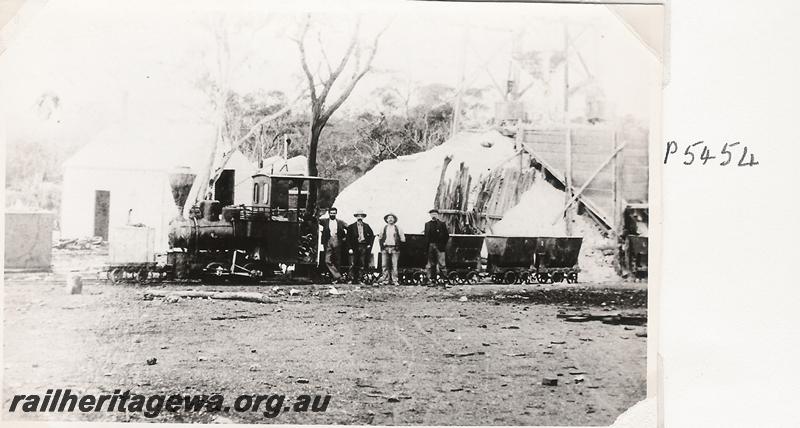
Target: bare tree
<point>319,86</point>
<point>217,84</point>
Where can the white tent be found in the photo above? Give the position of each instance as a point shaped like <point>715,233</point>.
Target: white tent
<point>122,177</point>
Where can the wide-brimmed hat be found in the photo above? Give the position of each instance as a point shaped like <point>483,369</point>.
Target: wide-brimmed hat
<point>359,213</point>
<point>386,217</point>
<point>433,210</point>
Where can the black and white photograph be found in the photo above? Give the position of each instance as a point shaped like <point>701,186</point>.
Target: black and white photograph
<point>340,213</point>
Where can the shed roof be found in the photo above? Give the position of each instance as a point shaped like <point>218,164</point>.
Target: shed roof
<point>146,148</point>
<point>297,165</point>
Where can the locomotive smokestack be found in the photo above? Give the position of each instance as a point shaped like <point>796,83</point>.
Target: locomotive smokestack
<point>180,182</point>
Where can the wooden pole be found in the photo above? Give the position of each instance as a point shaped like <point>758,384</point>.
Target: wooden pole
<point>614,186</point>
<point>568,180</point>
<point>462,65</point>
<point>568,138</point>
<point>566,73</point>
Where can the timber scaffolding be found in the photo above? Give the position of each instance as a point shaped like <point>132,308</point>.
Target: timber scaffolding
<point>600,170</point>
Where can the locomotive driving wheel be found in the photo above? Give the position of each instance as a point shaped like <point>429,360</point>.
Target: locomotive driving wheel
<point>216,269</point>
<point>254,271</point>
<point>215,272</point>
<point>472,277</point>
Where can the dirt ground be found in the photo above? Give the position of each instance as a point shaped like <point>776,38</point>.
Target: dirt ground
<point>388,355</point>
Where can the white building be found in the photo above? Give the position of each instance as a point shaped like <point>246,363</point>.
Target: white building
<point>122,177</point>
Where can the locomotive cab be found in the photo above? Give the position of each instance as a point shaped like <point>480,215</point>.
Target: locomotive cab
<point>281,197</point>
<point>280,226</point>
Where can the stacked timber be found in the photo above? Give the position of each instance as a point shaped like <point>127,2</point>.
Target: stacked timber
<point>497,192</point>
<point>452,200</point>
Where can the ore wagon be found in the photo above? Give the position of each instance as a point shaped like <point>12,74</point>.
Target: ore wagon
<point>518,259</point>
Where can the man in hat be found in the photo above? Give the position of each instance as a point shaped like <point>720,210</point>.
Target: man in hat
<point>334,232</point>
<point>390,239</point>
<point>436,237</point>
<point>359,240</point>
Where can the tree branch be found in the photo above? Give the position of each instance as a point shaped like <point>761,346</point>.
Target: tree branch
<point>325,55</point>
<point>304,60</point>
<point>354,80</point>
<point>525,89</point>
<point>342,64</point>
<point>256,127</point>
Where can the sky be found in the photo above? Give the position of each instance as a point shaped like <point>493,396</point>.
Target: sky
<point>137,63</point>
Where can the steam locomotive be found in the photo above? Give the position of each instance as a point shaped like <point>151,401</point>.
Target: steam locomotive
<point>279,232</point>
<point>276,232</point>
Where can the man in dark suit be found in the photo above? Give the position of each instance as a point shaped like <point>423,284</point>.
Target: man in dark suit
<point>436,237</point>
<point>334,233</point>
<point>359,239</point>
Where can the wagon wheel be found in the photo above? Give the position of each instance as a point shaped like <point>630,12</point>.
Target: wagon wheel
<point>367,278</point>
<point>420,278</point>
<point>159,275</point>
<point>496,278</point>
<point>255,273</point>
<point>406,279</point>
<point>117,275</point>
<point>454,278</point>
<point>557,277</point>
<point>325,277</point>
<point>472,277</point>
<point>510,277</point>
<point>167,273</point>
<point>543,278</point>
<point>143,276</point>
<point>572,277</point>
<point>524,278</point>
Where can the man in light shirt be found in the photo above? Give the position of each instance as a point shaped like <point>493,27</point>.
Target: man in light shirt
<point>390,239</point>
